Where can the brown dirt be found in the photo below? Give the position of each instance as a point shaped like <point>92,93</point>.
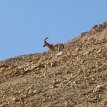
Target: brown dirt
<point>77,78</point>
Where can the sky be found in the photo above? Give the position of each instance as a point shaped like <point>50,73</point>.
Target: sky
<point>25,23</point>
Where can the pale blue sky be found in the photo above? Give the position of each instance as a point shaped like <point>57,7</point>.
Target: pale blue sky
<point>25,23</point>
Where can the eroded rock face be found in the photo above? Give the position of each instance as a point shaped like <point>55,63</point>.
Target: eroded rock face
<point>75,77</point>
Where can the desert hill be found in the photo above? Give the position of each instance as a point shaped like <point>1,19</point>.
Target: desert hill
<point>76,78</point>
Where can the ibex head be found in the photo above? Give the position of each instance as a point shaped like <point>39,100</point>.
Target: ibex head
<point>45,42</point>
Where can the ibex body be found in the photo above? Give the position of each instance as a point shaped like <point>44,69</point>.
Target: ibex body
<point>53,47</point>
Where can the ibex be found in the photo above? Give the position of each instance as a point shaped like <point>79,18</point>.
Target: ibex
<point>53,47</point>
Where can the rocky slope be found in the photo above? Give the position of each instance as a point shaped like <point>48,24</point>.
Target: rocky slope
<point>77,78</point>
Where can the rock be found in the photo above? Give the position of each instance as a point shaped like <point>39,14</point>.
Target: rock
<point>59,54</point>
<point>14,99</point>
<point>4,66</point>
<point>104,103</point>
<point>98,88</point>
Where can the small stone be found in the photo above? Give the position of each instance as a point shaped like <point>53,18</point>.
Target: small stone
<point>4,66</point>
<point>15,99</point>
<point>59,54</point>
<point>98,88</point>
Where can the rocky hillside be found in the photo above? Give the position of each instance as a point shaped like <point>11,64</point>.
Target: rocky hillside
<point>75,78</point>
